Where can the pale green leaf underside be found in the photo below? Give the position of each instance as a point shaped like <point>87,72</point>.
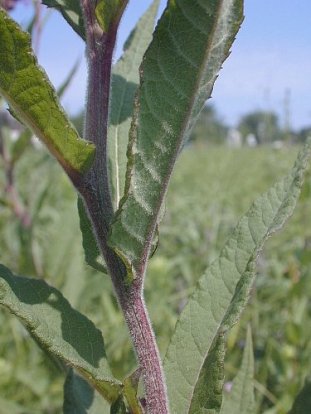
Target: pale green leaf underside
<point>125,80</point>
<point>222,292</point>
<point>60,329</point>
<point>72,13</point>
<point>190,43</point>
<point>26,88</point>
<point>81,398</point>
<point>241,399</point>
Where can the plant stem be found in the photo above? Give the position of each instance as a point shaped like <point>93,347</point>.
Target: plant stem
<point>100,47</point>
<point>94,188</point>
<point>136,316</point>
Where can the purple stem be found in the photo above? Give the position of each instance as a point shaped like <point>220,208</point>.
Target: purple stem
<point>94,188</point>
<point>100,47</point>
<point>136,316</point>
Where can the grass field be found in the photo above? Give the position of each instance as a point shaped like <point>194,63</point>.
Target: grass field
<point>210,190</point>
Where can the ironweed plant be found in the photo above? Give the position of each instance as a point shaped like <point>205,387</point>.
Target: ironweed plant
<point>138,116</point>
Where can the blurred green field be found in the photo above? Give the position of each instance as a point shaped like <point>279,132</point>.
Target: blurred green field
<point>211,188</point>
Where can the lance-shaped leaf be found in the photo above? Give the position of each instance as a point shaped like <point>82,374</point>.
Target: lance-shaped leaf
<point>241,399</point>
<point>59,329</point>
<point>125,79</point>
<point>222,292</point>
<point>81,398</point>
<point>72,13</point>
<point>26,88</point>
<point>190,43</point>
<point>302,403</point>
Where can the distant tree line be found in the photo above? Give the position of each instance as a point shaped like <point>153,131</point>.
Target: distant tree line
<point>263,126</point>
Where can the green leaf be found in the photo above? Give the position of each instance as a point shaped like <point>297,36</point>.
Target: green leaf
<point>72,13</point>
<point>59,329</point>
<point>125,79</point>
<point>91,252</point>
<point>107,11</point>
<point>190,43</point>
<point>241,399</point>
<point>28,91</point>
<point>80,397</point>
<point>223,291</point>
<point>302,403</point>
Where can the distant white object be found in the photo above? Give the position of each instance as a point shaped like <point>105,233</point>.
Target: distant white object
<point>14,134</point>
<point>234,138</point>
<point>277,144</point>
<point>251,140</point>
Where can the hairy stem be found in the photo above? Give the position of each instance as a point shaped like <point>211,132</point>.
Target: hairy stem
<point>138,322</point>
<point>94,188</point>
<point>100,47</point>
<point>137,319</point>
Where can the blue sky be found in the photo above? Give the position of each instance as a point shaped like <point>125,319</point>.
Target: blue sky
<point>271,55</point>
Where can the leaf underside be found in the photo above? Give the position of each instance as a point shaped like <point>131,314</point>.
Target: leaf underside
<point>59,329</point>
<point>190,43</point>
<point>241,399</point>
<point>72,13</point>
<point>26,88</point>
<point>222,292</point>
<point>125,80</point>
